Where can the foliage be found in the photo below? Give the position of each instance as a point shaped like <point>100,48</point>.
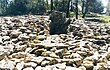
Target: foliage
<point>40,7</point>
<point>96,7</point>
<point>3,6</point>
<point>71,14</point>
<point>99,18</point>
<point>105,19</point>
<point>21,7</point>
<point>17,7</point>
<point>36,7</point>
<point>61,5</point>
<point>108,8</point>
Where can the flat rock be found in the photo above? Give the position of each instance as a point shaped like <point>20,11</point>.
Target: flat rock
<point>61,66</point>
<point>7,65</point>
<point>30,64</point>
<point>38,68</point>
<point>15,34</point>
<point>28,68</point>
<point>88,64</point>
<point>6,38</point>
<point>71,68</point>
<point>20,66</point>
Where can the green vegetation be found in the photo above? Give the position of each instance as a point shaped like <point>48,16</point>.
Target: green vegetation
<point>98,18</point>
<point>43,7</point>
<point>105,19</point>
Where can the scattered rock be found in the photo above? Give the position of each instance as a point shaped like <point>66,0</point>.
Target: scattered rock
<point>26,43</point>
<point>38,68</point>
<point>30,64</point>
<point>61,66</point>
<point>20,66</point>
<point>15,34</point>
<point>5,38</point>
<point>44,63</point>
<point>71,68</point>
<point>88,64</point>
<point>28,68</point>
<point>7,65</point>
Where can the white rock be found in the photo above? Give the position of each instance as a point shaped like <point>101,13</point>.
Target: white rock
<point>6,38</point>
<point>23,37</point>
<point>2,54</point>
<point>7,64</point>
<point>38,59</point>
<point>32,36</point>
<point>9,48</point>
<point>1,40</point>
<point>44,63</point>
<point>28,49</point>
<point>71,68</point>
<point>59,51</point>
<point>54,68</point>
<point>16,60</point>
<point>53,55</point>
<point>78,61</point>
<point>82,68</point>
<point>15,34</point>
<point>28,68</point>
<point>30,64</point>
<point>88,64</point>
<point>108,49</point>
<point>19,55</point>
<point>14,40</point>
<point>23,29</point>
<point>96,55</point>
<point>75,55</point>
<point>20,66</point>
<point>108,63</point>
<point>48,68</point>
<point>61,66</point>
<point>38,68</point>
<point>102,66</point>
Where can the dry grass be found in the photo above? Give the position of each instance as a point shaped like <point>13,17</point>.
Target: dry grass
<point>105,19</point>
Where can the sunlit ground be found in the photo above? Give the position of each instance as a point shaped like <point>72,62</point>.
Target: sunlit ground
<point>105,19</point>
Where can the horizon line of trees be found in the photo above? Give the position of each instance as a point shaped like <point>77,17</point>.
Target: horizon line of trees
<point>42,7</point>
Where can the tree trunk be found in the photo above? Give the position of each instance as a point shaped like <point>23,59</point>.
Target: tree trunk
<point>51,5</point>
<point>63,5</point>
<point>68,12</point>
<point>83,5</point>
<point>76,4</point>
<point>47,4</point>
<point>83,9</point>
<point>86,9</point>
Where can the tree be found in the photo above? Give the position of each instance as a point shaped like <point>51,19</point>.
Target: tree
<point>17,7</point>
<point>76,4</point>
<point>3,7</point>
<point>21,7</point>
<point>51,5</point>
<point>37,7</point>
<point>94,6</point>
<point>108,8</point>
<point>68,6</point>
<point>47,5</point>
<point>61,5</point>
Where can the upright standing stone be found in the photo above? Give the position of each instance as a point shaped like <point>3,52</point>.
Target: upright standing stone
<point>58,24</point>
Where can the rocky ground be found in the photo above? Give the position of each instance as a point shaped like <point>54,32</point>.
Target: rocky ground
<point>26,44</point>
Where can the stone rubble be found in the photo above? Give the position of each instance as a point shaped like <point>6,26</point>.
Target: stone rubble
<point>26,44</point>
